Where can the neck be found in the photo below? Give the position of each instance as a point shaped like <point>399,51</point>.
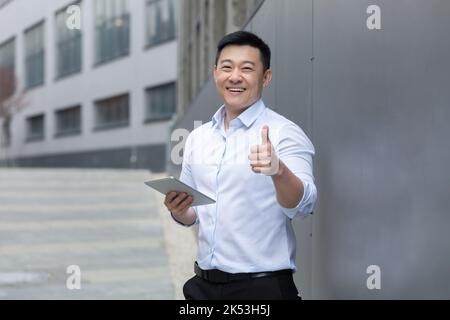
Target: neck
<point>230,115</point>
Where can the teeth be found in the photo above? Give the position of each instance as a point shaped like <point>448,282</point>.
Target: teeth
<point>236,89</point>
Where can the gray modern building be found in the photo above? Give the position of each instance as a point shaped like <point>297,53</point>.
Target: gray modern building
<point>99,80</point>
<point>368,81</point>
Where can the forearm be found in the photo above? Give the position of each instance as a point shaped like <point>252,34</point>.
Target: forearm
<point>288,187</point>
<point>186,218</point>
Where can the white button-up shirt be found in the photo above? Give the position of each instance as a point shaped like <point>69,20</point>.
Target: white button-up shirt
<point>246,230</point>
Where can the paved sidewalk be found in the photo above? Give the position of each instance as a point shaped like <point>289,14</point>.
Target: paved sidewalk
<point>107,222</point>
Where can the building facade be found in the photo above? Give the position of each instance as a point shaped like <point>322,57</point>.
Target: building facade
<point>99,81</point>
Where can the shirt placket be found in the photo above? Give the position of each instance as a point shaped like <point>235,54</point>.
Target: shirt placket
<point>224,140</point>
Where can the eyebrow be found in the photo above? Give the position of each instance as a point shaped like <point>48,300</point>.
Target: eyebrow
<point>243,62</point>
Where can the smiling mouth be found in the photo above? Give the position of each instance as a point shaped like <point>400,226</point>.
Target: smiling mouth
<point>236,90</point>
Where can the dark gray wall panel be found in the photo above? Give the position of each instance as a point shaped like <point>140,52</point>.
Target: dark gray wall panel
<point>380,98</point>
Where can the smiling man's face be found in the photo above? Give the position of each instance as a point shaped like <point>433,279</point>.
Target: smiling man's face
<point>240,77</point>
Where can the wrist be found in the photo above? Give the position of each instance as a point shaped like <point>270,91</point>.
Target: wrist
<point>186,218</point>
<point>177,215</point>
<point>178,219</point>
<point>281,169</point>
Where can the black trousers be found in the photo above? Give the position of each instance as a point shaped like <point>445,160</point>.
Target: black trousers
<point>276,287</point>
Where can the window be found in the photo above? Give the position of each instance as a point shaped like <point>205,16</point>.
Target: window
<point>112,34</point>
<point>160,102</point>
<point>68,46</point>
<point>160,21</point>
<point>7,68</point>
<point>68,121</point>
<point>35,128</point>
<point>112,112</point>
<point>7,55</point>
<point>34,55</point>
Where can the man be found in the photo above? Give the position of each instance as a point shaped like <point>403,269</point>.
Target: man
<point>258,166</point>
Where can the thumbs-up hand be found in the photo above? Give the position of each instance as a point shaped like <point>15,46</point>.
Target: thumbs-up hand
<point>263,158</point>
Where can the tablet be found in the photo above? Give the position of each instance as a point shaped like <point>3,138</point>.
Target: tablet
<point>169,184</point>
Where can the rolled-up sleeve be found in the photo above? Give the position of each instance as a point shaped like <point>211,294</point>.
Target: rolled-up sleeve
<point>296,151</point>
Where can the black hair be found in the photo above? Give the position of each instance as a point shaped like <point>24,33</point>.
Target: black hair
<point>242,38</point>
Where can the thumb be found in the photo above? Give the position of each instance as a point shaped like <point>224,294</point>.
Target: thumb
<point>265,134</point>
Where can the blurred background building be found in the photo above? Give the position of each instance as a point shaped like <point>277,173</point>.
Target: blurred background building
<point>108,94</point>
<point>100,96</point>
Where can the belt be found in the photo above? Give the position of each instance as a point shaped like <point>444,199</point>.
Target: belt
<point>218,276</point>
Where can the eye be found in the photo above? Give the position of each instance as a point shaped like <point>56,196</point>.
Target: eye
<point>247,69</point>
<point>226,68</point>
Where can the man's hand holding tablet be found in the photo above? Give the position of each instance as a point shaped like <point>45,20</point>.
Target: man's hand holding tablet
<point>179,204</point>
<point>180,198</point>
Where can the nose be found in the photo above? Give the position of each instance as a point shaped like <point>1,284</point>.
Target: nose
<point>235,76</point>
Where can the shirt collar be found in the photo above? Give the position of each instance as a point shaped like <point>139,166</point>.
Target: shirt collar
<point>247,117</point>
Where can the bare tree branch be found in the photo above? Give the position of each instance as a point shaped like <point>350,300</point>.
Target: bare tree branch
<point>11,101</point>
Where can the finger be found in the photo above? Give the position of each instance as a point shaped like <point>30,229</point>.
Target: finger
<point>260,163</point>
<point>264,156</point>
<point>265,135</point>
<point>256,169</point>
<point>262,170</point>
<point>186,203</point>
<point>267,150</point>
<point>181,207</point>
<point>254,149</point>
<point>169,197</point>
<point>259,156</point>
<point>179,199</point>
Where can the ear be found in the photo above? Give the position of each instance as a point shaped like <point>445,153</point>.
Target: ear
<point>267,77</point>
